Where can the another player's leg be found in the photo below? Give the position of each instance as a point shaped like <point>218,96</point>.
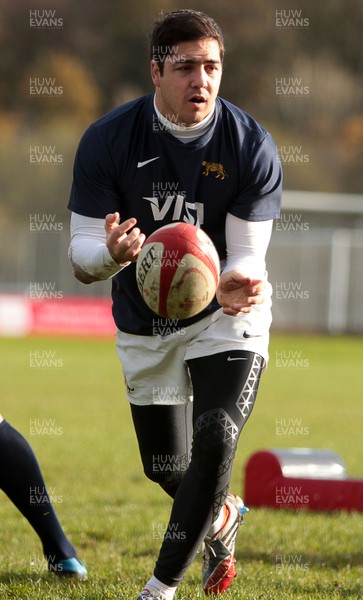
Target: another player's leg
<point>21,479</point>
<point>224,395</point>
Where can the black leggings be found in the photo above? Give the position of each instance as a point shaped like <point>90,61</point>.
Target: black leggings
<point>189,450</point>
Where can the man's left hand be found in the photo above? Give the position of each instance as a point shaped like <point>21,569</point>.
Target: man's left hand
<point>237,294</point>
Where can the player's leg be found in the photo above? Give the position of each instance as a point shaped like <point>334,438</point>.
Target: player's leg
<point>225,387</point>
<point>218,548</point>
<point>164,438</point>
<point>22,481</point>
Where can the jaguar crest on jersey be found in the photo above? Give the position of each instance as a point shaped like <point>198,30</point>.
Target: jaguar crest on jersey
<point>216,168</point>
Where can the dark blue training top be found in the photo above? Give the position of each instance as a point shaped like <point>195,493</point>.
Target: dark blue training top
<point>128,162</point>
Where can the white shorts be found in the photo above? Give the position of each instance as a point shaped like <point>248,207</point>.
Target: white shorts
<point>155,368</point>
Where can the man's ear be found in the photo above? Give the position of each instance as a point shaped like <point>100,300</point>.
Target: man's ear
<point>155,73</point>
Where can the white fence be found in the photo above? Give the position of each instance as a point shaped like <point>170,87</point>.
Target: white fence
<point>315,263</point>
<point>317,280</point>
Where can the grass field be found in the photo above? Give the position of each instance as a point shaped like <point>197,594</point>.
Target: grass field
<point>66,397</point>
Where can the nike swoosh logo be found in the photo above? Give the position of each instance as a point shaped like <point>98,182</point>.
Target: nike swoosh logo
<point>247,335</point>
<point>146,162</point>
<point>236,358</point>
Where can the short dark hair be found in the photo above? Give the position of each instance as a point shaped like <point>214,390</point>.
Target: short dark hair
<point>182,25</point>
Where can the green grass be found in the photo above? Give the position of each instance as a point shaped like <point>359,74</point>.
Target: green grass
<point>113,514</point>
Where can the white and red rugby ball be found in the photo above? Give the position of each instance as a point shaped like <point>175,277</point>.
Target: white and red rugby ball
<point>177,271</point>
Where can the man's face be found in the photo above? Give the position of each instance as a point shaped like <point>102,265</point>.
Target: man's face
<point>186,92</point>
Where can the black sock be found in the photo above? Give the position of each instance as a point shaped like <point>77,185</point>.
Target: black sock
<point>22,481</point>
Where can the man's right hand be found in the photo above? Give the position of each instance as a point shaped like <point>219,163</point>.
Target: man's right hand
<point>123,247</point>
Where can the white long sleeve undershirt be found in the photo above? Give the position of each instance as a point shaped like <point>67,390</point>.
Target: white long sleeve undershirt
<point>88,250</point>
<point>246,241</point>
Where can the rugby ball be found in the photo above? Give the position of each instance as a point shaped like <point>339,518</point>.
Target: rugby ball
<point>177,271</point>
